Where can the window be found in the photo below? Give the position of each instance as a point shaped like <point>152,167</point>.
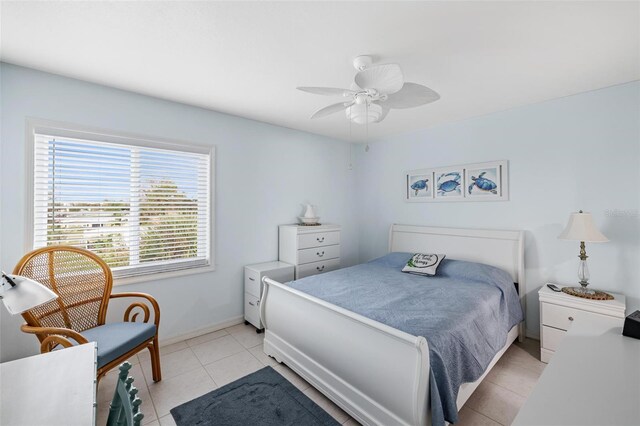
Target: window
<point>143,206</point>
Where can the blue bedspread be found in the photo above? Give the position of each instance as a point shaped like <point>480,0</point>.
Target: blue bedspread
<point>465,313</point>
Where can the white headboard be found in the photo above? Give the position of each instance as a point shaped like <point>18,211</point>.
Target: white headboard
<point>501,248</point>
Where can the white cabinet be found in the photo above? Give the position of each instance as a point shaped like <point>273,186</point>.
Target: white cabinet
<point>279,271</point>
<point>312,249</point>
<point>559,311</point>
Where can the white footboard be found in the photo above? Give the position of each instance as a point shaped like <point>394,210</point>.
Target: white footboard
<point>377,374</point>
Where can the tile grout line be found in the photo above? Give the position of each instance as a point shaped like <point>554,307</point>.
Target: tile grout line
<point>206,341</point>
<point>240,343</point>
<point>235,354</point>
<point>484,415</point>
<point>521,365</point>
<point>153,404</point>
<point>506,388</point>
<point>187,371</point>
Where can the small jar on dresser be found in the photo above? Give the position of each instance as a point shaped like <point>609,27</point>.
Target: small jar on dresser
<point>311,249</point>
<point>253,287</point>
<point>558,311</point>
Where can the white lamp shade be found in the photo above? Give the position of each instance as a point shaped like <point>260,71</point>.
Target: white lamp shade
<point>582,228</point>
<point>25,295</point>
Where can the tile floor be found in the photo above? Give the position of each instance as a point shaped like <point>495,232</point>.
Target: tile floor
<point>196,366</point>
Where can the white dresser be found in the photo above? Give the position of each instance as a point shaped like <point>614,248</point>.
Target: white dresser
<point>312,249</point>
<point>253,274</point>
<point>558,311</point>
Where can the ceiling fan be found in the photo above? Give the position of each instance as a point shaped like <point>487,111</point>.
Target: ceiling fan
<point>376,90</point>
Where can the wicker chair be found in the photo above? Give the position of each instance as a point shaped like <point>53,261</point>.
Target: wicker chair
<point>83,283</point>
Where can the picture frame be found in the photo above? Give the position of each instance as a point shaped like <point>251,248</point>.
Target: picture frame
<point>448,183</point>
<point>419,185</point>
<point>487,181</point>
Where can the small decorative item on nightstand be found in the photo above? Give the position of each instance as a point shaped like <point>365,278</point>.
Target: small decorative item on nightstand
<point>279,271</point>
<point>558,311</point>
<point>581,228</point>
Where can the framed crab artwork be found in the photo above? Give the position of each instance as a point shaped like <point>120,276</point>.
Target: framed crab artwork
<point>487,181</point>
<point>448,183</point>
<point>419,186</point>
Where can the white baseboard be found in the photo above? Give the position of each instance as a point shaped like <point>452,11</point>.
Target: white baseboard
<point>209,329</point>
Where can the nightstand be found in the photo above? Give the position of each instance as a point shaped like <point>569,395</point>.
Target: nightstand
<point>253,274</point>
<point>558,311</point>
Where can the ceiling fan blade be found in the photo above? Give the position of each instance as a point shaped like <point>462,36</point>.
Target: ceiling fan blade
<point>326,91</point>
<point>385,111</point>
<point>411,95</point>
<point>386,78</point>
<point>328,110</point>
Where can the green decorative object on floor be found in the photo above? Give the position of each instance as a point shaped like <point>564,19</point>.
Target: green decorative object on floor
<point>125,406</point>
<point>262,398</point>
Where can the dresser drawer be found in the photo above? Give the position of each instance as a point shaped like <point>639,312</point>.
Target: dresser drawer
<point>318,239</point>
<point>551,337</point>
<point>252,310</point>
<point>252,282</point>
<point>318,253</point>
<point>317,268</point>
<point>562,316</point>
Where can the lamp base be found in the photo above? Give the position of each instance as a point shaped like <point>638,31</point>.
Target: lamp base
<point>587,293</point>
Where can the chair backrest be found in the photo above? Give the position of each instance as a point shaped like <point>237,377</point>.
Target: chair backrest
<point>81,280</point>
<point>125,406</point>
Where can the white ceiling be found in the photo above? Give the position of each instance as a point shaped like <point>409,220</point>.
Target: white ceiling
<point>247,58</point>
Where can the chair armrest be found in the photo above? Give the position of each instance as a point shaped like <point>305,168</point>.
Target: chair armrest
<point>54,336</point>
<point>144,307</point>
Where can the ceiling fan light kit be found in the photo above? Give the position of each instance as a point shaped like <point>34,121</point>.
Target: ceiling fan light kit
<point>363,113</point>
<point>376,90</point>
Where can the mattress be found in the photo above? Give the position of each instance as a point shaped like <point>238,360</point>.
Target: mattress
<point>465,313</point>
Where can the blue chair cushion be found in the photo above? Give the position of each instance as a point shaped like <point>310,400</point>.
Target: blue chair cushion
<point>117,338</point>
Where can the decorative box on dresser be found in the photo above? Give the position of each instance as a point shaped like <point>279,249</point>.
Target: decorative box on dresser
<point>253,274</point>
<point>558,311</point>
<point>311,249</point>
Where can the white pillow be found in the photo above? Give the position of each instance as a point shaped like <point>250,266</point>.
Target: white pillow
<point>423,264</point>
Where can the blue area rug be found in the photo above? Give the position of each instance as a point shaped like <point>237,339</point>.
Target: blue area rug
<point>262,398</point>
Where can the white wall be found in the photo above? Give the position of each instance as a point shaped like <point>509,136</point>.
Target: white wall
<point>578,152</point>
<point>263,173</point>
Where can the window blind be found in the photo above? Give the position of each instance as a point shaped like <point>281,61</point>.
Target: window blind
<point>143,210</point>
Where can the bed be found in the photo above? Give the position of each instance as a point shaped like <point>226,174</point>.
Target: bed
<point>375,372</point>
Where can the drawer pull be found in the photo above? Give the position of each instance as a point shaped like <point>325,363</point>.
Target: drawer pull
<point>320,254</point>
<point>251,279</point>
<point>320,268</point>
<point>252,304</point>
<point>320,239</point>
<point>255,304</point>
<point>570,318</point>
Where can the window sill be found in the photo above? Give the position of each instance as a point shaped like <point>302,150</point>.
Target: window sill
<point>162,275</point>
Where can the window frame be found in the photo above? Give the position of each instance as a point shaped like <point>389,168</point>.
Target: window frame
<point>36,126</point>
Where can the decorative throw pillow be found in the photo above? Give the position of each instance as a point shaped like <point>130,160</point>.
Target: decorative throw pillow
<point>423,264</point>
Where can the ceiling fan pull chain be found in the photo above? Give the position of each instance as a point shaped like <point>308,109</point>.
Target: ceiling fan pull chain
<point>367,125</point>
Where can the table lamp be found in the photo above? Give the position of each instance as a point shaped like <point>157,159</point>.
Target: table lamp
<point>581,228</point>
<point>20,294</point>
